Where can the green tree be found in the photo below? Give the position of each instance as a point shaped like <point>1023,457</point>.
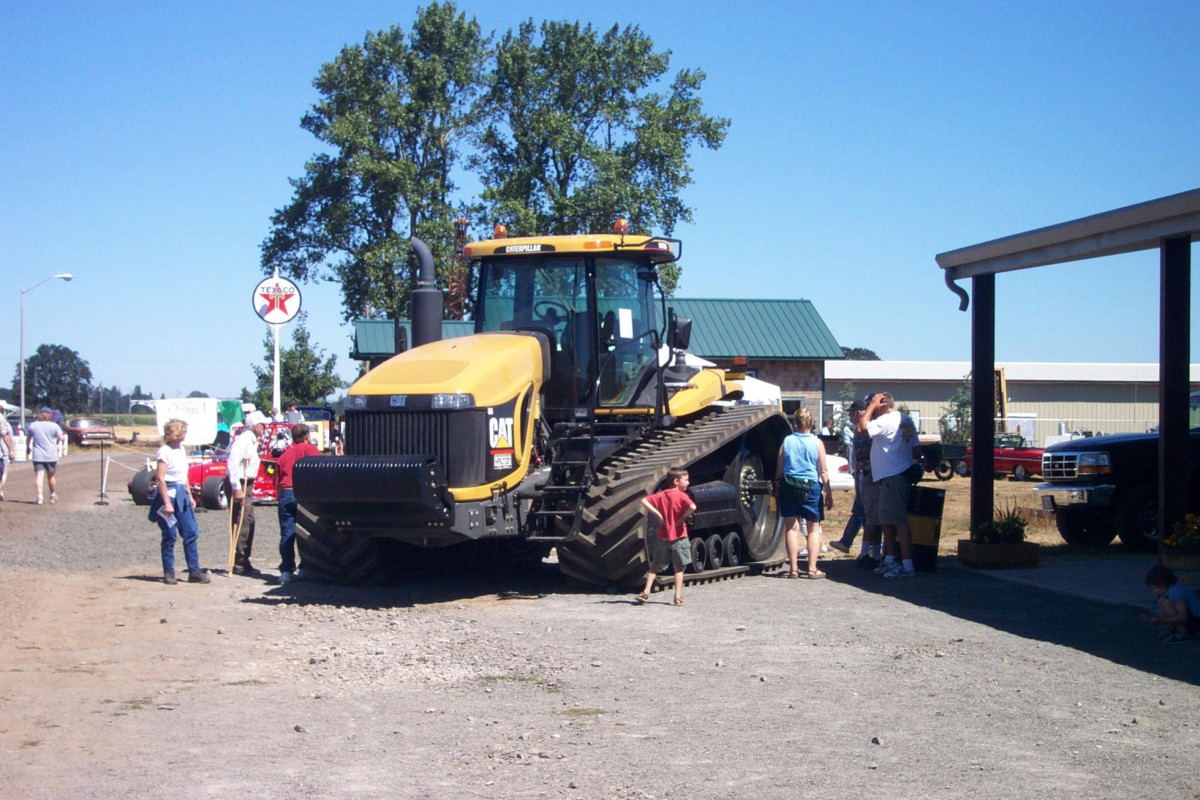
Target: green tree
<point>55,376</point>
<point>859,354</point>
<point>391,115</point>
<point>955,422</point>
<point>306,376</point>
<point>198,393</point>
<point>579,129</point>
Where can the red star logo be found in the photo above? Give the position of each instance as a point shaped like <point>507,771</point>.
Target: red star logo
<point>276,299</point>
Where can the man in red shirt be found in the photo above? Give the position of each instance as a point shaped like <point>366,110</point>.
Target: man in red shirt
<point>299,448</point>
<point>671,507</point>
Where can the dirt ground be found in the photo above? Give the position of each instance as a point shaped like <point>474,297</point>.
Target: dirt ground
<point>494,684</point>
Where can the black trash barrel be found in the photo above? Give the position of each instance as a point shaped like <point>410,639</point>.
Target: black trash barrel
<point>925,520</point>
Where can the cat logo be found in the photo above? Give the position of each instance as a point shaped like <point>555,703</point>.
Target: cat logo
<point>500,433</point>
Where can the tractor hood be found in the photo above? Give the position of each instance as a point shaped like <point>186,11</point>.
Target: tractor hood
<point>491,367</point>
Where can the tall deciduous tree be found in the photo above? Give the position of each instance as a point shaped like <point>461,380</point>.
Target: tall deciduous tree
<point>391,115</point>
<point>306,376</point>
<point>55,376</point>
<point>577,132</point>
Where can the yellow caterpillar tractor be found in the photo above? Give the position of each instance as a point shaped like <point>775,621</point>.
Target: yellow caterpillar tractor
<point>544,428</point>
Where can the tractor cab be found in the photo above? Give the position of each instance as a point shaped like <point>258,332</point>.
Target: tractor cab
<point>591,299</point>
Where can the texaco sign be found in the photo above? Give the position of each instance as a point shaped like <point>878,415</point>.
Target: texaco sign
<point>276,301</point>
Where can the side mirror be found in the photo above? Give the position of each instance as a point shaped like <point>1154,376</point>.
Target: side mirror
<point>679,334</point>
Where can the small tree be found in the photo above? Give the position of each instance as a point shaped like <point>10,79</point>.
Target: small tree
<point>55,376</point>
<point>842,409</point>
<point>305,375</point>
<point>859,354</point>
<point>955,422</point>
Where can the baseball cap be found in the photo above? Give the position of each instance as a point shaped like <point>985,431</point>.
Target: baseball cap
<point>256,418</point>
<point>866,401</point>
<point>858,405</point>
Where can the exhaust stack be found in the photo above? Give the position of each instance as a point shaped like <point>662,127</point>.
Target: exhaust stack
<point>426,299</point>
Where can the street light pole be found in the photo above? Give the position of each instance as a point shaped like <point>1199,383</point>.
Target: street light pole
<point>66,276</point>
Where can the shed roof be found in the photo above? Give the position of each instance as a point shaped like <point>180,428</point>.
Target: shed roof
<point>1141,226</point>
<point>757,329</point>
<point>376,338</point>
<point>774,329</point>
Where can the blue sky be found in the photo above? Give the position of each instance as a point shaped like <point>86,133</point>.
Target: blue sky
<point>144,146</point>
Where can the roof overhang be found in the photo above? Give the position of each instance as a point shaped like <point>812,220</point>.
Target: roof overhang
<point>1123,230</point>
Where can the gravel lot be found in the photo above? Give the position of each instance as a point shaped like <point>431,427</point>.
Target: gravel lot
<point>952,685</point>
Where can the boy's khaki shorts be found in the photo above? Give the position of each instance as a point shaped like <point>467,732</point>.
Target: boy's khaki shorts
<point>677,553</point>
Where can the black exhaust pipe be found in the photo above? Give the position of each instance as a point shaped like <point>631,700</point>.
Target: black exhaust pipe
<point>426,299</point>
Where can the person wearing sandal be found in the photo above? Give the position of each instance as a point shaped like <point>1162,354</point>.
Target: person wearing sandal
<point>671,507</point>
<point>803,481</point>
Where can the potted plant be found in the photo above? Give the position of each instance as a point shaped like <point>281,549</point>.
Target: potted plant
<point>1181,548</point>
<point>999,542</point>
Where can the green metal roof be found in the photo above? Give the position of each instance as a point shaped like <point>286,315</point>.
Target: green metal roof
<point>774,329</point>
<point>376,338</point>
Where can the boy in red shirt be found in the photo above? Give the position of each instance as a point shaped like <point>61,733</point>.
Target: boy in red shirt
<point>671,507</point>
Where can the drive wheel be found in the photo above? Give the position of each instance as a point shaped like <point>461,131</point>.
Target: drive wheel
<point>331,556</point>
<point>762,527</point>
<point>716,551</point>
<point>214,493</point>
<point>1020,473</point>
<point>139,487</point>
<point>1082,528</point>
<point>1138,522</point>
<point>733,549</point>
<point>699,555</point>
<point>944,470</point>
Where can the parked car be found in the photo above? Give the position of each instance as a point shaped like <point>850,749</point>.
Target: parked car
<point>1105,486</point>
<point>1013,456</point>
<point>83,431</point>
<point>840,479</point>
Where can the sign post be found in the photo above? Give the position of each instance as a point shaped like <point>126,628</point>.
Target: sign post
<point>276,301</point>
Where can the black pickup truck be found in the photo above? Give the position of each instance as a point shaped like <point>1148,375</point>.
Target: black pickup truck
<point>1107,486</point>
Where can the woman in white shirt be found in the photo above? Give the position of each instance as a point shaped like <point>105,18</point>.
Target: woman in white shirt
<point>172,506</point>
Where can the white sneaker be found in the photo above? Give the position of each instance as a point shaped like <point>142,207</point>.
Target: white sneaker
<point>54,497</point>
<point>898,572</point>
<point>286,577</point>
<point>39,500</point>
<point>884,568</point>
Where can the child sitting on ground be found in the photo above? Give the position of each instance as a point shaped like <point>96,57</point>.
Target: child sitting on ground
<point>671,507</point>
<point>1178,606</point>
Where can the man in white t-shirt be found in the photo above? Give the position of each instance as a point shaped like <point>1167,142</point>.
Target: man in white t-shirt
<point>243,465</point>
<point>893,446</point>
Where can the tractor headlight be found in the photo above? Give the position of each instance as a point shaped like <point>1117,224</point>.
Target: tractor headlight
<point>456,400</point>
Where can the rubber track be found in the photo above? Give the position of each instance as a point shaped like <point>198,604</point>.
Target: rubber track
<point>611,548</point>
<point>720,574</point>
<point>335,557</point>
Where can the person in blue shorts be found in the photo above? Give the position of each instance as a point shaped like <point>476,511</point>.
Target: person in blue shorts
<point>803,480</point>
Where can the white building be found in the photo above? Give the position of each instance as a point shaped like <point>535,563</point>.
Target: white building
<point>1044,399</point>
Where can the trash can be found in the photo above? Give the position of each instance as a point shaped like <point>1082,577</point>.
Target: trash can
<point>925,506</point>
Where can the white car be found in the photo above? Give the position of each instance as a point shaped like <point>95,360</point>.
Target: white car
<point>840,479</point>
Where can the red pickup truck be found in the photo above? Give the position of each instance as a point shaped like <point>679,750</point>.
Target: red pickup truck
<point>1013,457</point>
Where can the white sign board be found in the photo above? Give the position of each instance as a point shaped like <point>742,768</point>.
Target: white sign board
<point>200,414</point>
<point>276,301</point>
